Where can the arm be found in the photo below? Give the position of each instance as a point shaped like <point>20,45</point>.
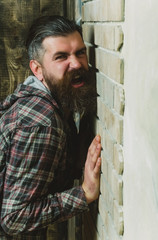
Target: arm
<point>26,204</point>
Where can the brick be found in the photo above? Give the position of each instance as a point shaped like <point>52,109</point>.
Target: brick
<point>106,140</point>
<point>117,130</point>
<point>105,88</point>
<point>91,54</point>
<point>117,187</point>
<point>103,219</point>
<point>119,38</point>
<point>104,189</point>
<point>104,165</point>
<point>106,194</point>
<point>115,9</point>
<point>110,177</point>
<point>103,10</point>
<point>104,234</point>
<point>118,218</point>
<point>112,122</point>
<point>111,36</point>
<point>107,37</point>
<point>119,99</point>
<point>110,64</point>
<point>103,211</point>
<point>88,32</point>
<point>118,160</point>
<point>104,114</point>
<point>107,143</point>
<point>111,230</point>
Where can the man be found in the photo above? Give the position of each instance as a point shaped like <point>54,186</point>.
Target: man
<point>38,135</point>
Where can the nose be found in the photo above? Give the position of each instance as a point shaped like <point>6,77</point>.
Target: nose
<point>74,62</point>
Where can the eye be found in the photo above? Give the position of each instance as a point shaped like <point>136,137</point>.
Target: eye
<point>81,52</point>
<point>61,57</point>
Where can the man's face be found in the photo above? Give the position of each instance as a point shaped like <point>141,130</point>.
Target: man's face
<point>66,73</point>
<point>64,54</point>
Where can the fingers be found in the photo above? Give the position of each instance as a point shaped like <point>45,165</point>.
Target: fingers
<point>94,144</point>
<point>94,152</point>
<point>97,168</point>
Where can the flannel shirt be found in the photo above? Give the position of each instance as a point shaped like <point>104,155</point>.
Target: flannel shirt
<point>36,166</point>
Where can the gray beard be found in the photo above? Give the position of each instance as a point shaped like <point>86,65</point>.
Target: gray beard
<point>82,99</point>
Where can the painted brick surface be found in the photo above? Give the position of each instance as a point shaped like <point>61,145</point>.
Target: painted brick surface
<point>119,99</point>
<point>113,122</point>
<point>103,10</point>
<point>111,37</point>
<point>118,218</point>
<point>105,88</point>
<point>103,34</point>
<point>118,159</point>
<point>88,32</point>
<point>109,64</point>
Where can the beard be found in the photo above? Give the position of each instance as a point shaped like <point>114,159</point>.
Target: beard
<point>80,99</point>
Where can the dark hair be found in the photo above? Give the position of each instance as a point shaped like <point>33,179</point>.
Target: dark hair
<point>47,26</point>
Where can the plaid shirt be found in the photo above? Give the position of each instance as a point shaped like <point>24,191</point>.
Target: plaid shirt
<point>36,167</point>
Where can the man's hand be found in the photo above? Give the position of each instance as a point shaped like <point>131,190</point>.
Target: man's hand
<point>91,181</point>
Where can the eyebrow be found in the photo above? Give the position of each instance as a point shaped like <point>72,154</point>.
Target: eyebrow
<point>82,49</point>
<point>66,53</point>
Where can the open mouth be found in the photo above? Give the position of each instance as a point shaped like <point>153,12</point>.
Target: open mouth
<point>77,82</point>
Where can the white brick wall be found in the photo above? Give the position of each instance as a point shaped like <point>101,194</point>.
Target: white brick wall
<point>103,35</point>
<point>103,10</point>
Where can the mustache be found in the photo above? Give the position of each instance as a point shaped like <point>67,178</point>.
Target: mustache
<point>82,99</point>
<point>76,75</point>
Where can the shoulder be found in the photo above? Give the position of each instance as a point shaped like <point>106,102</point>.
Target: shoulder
<point>36,110</point>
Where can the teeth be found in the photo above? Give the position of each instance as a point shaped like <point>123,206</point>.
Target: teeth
<point>76,80</point>
<point>76,77</point>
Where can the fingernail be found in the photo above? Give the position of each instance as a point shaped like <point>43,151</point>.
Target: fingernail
<point>97,138</point>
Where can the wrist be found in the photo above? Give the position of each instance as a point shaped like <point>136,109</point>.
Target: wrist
<point>87,194</point>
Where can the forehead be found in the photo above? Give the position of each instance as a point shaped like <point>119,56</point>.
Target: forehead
<point>68,43</point>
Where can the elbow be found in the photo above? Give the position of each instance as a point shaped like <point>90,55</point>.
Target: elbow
<point>9,231</point>
<point>11,226</point>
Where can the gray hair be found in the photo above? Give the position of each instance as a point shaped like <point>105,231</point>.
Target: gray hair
<point>47,26</point>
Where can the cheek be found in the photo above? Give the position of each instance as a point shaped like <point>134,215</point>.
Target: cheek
<point>56,71</point>
<point>61,69</point>
<point>85,63</point>
<point>86,66</point>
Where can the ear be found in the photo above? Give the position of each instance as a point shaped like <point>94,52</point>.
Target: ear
<point>36,69</point>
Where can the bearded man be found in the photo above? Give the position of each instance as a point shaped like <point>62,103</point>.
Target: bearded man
<point>38,136</point>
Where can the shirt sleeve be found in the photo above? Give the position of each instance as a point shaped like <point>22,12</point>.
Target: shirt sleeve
<point>27,204</point>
